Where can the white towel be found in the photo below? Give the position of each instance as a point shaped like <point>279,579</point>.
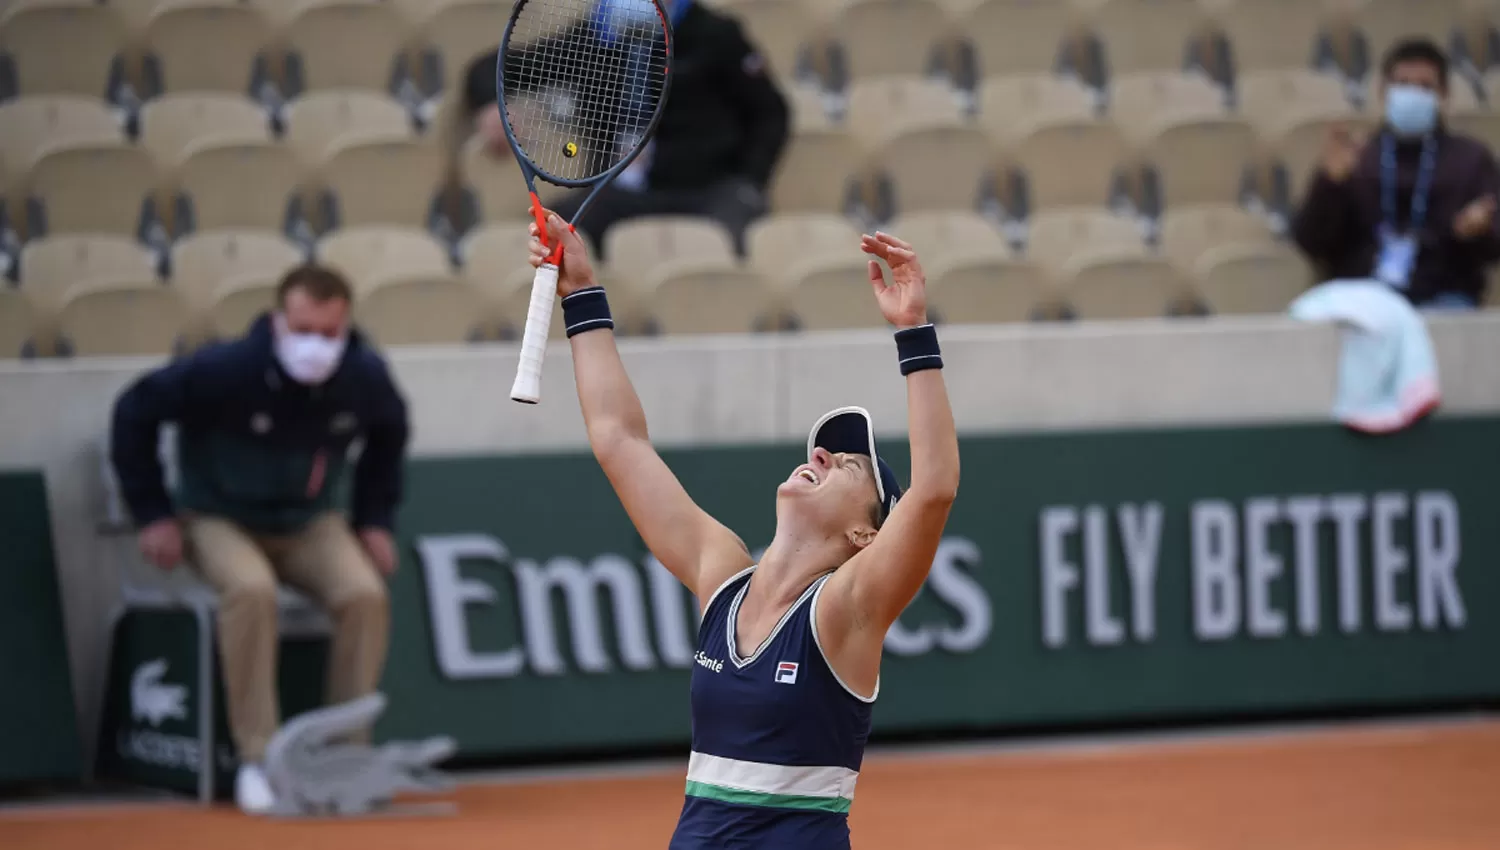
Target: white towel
<point>1387,370</point>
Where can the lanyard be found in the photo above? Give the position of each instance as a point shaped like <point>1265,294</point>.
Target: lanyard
<point>1419,192</point>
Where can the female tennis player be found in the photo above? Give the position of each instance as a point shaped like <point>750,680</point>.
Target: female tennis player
<point>788,661</point>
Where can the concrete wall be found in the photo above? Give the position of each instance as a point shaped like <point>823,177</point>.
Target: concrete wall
<point>746,390</point>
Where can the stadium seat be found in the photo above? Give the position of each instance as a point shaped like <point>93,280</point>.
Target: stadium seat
<point>495,264</point>
<point>984,291</point>
<point>635,246</point>
<point>52,264</point>
<point>1179,125</point>
<point>776,242</point>
<point>384,181</point>
<point>882,37</point>
<point>809,110</point>
<point>174,123</point>
<point>207,45</point>
<point>815,172</point>
<point>1115,283</point>
<point>779,29</point>
<point>238,184</point>
<point>460,31</point>
<point>1010,105</point>
<point>1292,111</point>
<point>706,296</point>
<point>971,275</point>
<point>831,292</point>
<point>1017,36</point>
<point>122,315</point>
<point>1484,126</point>
<point>32,124</point>
<point>913,132</point>
<point>1188,232</point>
<point>63,46</point>
<point>882,107</point>
<point>1056,235</point>
<point>238,300</point>
<point>370,254</point>
<point>1251,278</point>
<point>92,188</point>
<point>496,181</point>
<point>1201,159</point>
<point>936,167</point>
<point>1384,22</point>
<point>1146,35</point>
<point>948,233</point>
<point>201,263</point>
<point>346,44</point>
<point>17,324</point>
<point>1044,126</point>
<point>419,310</point>
<point>1267,35</point>
<point>317,121</point>
<point>1139,102</point>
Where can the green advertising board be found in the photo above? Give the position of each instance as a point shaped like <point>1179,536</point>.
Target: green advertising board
<point>38,725</point>
<point>1084,577</point>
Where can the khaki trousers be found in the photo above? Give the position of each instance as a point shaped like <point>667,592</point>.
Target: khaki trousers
<point>323,560</point>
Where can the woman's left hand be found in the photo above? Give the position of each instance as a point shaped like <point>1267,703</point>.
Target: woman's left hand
<point>902,299</point>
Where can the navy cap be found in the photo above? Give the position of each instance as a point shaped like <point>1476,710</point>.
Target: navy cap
<point>849,430</point>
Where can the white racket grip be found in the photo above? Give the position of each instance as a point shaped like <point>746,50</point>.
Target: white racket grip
<point>528,386</point>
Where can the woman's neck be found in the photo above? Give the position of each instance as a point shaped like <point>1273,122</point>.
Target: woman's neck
<point>790,565</point>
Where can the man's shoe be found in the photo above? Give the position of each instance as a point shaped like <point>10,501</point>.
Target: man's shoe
<point>252,791</point>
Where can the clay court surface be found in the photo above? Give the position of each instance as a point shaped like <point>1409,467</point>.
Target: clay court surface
<point>1391,787</point>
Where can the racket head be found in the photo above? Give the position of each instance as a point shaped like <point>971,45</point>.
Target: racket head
<point>565,65</point>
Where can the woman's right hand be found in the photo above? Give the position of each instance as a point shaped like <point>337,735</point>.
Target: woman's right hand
<point>574,270</point>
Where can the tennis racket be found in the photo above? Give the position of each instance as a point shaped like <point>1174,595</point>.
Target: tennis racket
<point>581,85</point>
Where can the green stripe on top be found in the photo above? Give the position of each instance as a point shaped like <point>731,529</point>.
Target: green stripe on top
<point>837,805</point>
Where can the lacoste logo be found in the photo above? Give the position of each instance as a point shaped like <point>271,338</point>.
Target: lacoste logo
<point>713,664</point>
<point>786,673</point>
<point>152,701</point>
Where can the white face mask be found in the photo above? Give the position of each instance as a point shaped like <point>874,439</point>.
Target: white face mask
<point>1411,110</point>
<point>309,358</point>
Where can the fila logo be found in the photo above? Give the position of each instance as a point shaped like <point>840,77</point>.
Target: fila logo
<point>786,673</point>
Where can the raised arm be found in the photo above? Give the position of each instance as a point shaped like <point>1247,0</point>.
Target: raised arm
<point>695,547</point>
<point>869,592</point>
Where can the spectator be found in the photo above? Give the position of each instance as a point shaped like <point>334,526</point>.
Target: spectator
<point>720,135</point>
<point>264,427</point>
<point>1415,206</point>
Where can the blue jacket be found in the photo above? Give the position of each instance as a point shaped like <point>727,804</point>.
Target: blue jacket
<point>255,446</point>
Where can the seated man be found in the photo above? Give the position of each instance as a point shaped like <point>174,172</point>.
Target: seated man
<point>1415,206</point>
<point>721,132</point>
<point>264,426</point>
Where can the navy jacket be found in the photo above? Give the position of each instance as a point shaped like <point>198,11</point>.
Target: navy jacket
<point>255,446</point>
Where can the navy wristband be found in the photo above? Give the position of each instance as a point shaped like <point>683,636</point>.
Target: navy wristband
<point>917,349</point>
<point>586,310</point>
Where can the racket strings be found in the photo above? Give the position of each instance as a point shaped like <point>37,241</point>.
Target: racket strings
<point>581,81</point>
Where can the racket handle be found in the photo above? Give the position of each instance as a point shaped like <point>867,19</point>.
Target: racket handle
<point>528,386</point>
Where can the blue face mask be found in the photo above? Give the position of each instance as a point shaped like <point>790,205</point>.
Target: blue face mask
<point>1411,110</point>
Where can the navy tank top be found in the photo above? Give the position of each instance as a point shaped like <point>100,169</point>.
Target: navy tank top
<point>777,738</point>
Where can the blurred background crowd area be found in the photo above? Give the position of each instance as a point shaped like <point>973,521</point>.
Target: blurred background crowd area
<point>164,162</point>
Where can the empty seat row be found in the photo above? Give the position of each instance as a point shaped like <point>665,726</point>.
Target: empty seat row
<point>77,46</point>
<point>906,36</point>
<point>667,272</point>
<point>230,45</point>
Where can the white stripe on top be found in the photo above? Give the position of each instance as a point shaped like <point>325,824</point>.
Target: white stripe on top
<point>826,782</point>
